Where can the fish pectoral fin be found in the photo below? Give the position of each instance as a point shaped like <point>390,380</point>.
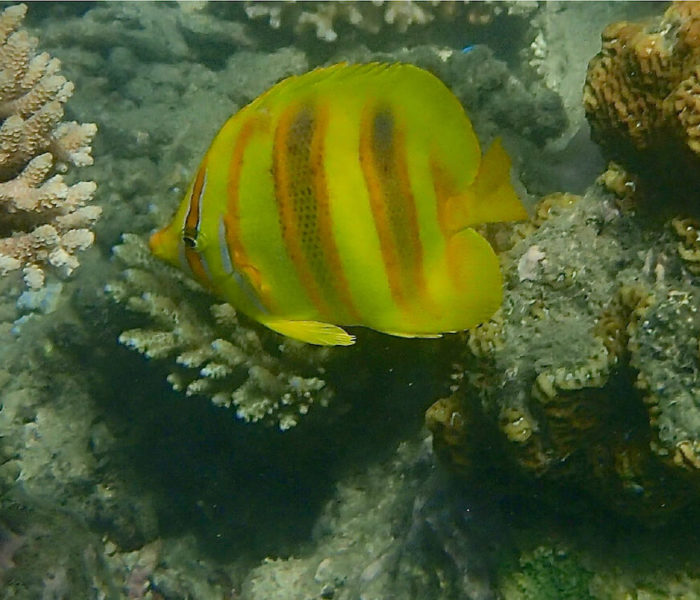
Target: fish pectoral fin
<point>312,332</point>
<point>255,279</point>
<point>491,198</point>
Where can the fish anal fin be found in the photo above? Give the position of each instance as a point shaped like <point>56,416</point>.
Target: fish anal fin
<point>312,332</point>
<point>491,197</point>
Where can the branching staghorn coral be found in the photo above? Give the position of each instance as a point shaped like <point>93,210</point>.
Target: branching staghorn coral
<point>263,377</point>
<point>373,18</point>
<point>43,220</point>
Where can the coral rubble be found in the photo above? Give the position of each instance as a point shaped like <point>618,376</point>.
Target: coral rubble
<point>391,531</point>
<point>43,220</point>
<point>642,94</point>
<point>216,355</point>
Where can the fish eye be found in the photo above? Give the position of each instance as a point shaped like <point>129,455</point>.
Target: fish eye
<point>189,237</point>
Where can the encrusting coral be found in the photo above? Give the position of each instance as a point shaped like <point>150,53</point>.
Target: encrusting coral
<point>43,220</point>
<point>642,93</point>
<point>215,354</point>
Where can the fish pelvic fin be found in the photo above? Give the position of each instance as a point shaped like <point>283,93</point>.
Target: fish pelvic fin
<point>403,334</point>
<point>491,198</point>
<point>312,332</point>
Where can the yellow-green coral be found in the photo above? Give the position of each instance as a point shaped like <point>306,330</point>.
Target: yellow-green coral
<point>546,573</point>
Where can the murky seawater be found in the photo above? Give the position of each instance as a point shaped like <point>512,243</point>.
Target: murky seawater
<point>155,443</point>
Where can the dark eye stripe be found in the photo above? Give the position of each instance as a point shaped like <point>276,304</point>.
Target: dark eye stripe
<point>194,214</point>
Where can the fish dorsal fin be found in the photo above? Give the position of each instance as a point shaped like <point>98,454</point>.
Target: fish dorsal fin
<point>491,198</point>
<point>312,332</point>
<point>291,86</point>
<point>387,79</point>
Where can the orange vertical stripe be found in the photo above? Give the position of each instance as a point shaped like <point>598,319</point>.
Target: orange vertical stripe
<point>385,168</point>
<point>190,230</point>
<point>304,210</point>
<point>379,208</point>
<point>296,212</point>
<point>406,223</point>
<point>444,189</point>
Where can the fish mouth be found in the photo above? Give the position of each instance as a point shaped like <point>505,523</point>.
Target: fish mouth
<point>161,245</point>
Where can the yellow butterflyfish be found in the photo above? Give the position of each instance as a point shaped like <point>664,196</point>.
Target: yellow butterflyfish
<point>346,196</point>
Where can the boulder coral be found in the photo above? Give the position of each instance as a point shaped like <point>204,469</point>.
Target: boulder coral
<point>590,371</point>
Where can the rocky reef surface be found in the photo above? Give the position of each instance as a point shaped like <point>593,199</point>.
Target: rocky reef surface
<point>590,369</point>
<point>570,419</point>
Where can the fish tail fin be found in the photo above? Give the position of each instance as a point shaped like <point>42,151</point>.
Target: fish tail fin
<point>312,332</point>
<point>491,198</point>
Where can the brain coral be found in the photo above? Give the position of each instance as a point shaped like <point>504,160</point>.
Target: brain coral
<point>590,371</point>
<point>642,93</point>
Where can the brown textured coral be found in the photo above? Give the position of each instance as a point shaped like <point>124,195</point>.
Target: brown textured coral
<point>688,231</point>
<point>43,220</point>
<point>642,93</point>
<point>446,420</point>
